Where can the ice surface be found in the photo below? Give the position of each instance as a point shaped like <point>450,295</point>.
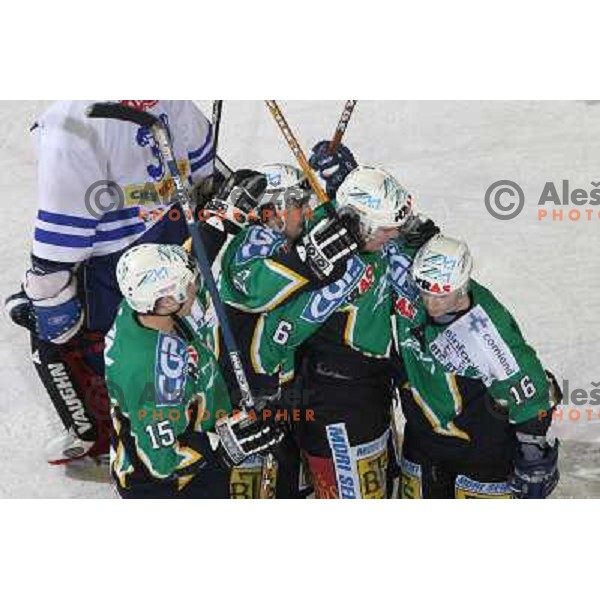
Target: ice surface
<point>448,153</point>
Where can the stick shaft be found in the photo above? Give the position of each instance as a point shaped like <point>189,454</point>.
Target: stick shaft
<point>342,125</point>
<point>292,142</point>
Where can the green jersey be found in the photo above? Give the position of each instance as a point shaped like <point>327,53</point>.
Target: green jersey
<point>484,344</point>
<point>352,315</point>
<point>166,392</point>
<point>254,275</point>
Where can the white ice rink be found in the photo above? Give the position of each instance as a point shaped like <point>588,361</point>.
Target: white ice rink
<point>546,272</point>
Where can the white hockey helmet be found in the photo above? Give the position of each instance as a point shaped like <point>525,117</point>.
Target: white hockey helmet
<point>376,197</point>
<point>149,272</point>
<point>442,266</point>
<point>287,186</point>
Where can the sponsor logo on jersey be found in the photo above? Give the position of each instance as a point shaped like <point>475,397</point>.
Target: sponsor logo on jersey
<point>343,461</point>
<point>322,303</point>
<point>153,193</point>
<point>367,280</point>
<point>171,367</point>
<point>65,388</point>
<point>472,346</point>
<point>260,242</point>
<point>191,364</point>
<point>405,307</point>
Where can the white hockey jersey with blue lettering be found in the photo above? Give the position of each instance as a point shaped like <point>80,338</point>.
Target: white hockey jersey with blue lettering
<point>78,217</point>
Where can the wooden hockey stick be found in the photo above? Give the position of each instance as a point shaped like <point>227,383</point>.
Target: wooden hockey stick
<point>342,124</point>
<point>295,147</point>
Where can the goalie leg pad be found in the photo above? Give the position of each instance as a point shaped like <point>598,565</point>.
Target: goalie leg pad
<point>72,376</point>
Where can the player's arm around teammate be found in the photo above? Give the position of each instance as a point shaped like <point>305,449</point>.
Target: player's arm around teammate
<point>477,400</point>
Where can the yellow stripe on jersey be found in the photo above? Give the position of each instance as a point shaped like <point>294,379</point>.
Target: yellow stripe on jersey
<point>450,430</point>
<point>255,345</point>
<point>455,391</point>
<point>296,282</point>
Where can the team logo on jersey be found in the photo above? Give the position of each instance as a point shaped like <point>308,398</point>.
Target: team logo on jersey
<point>144,138</point>
<point>171,367</point>
<point>399,274</point>
<point>139,104</point>
<point>260,242</point>
<point>240,281</point>
<point>325,301</point>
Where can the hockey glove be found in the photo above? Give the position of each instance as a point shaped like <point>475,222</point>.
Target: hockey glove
<point>328,243</point>
<point>246,433</point>
<point>333,168</point>
<point>419,232</point>
<point>535,467</point>
<point>237,199</point>
<point>57,310</point>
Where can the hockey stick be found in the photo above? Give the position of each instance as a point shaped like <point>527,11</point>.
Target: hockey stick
<point>217,110</point>
<point>268,476</point>
<point>342,124</point>
<point>111,110</point>
<point>292,142</point>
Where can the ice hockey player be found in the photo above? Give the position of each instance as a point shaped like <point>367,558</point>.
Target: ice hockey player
<point>101,188</point>
<point>165,384</point>
<point>264,266</point>
<point>342,336</point>
<point>477,400</point>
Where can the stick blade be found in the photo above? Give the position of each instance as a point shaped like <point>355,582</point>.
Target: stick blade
<point>115,110</point>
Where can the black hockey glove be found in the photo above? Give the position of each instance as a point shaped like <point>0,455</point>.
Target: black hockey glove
<point>328,243</point>
<point>246,433</point>
<point>234,203</point>
<point>333,168</point>
<point>420,233</point>
<point>535,467</point>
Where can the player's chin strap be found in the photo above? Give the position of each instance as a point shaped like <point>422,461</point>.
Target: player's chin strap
<point>110,110</point>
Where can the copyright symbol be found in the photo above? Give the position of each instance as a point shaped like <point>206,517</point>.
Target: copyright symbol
<point>504,209</point>
<point>103,196</point>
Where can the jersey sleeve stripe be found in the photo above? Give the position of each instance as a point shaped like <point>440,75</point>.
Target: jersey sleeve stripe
<point>195,166</point>
<point>193,154</point>
<point>62,239</point>
<point>63,219</point>
<point>117,234</point>
<point>124,213</point>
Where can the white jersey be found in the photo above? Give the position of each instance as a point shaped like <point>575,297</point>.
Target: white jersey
<point>81,215</point>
